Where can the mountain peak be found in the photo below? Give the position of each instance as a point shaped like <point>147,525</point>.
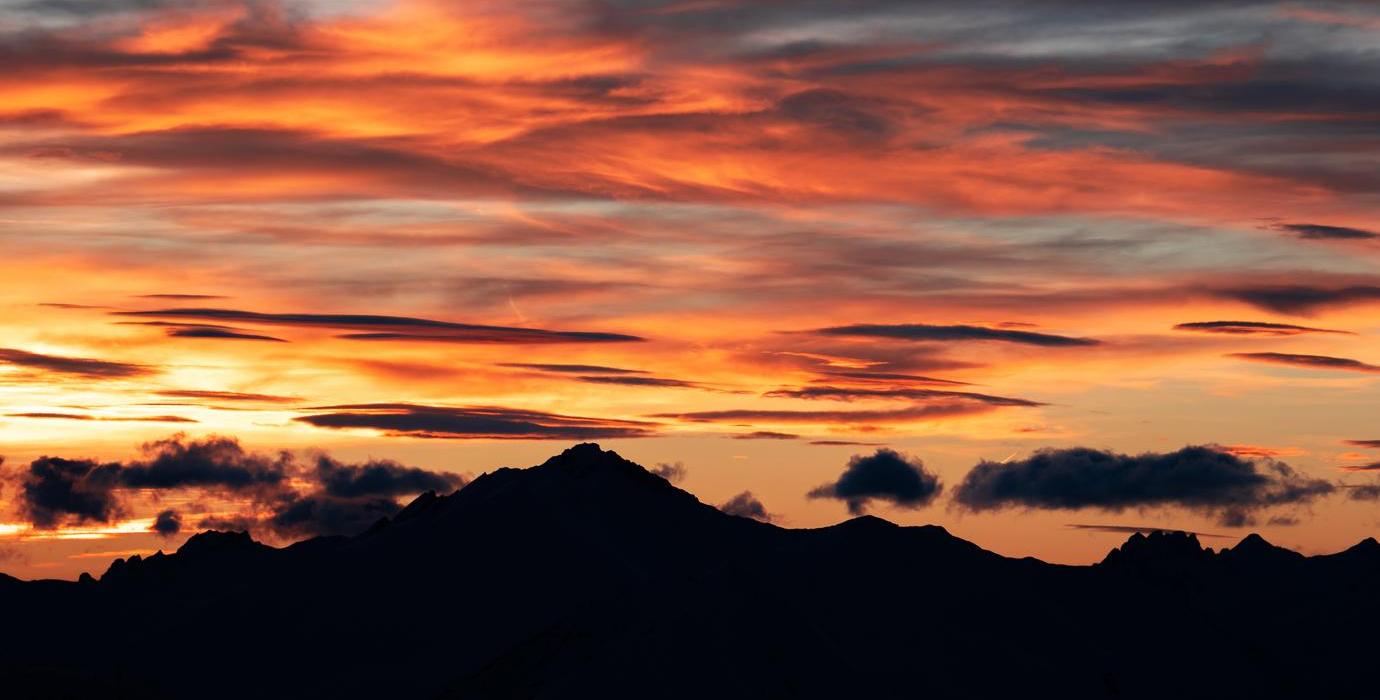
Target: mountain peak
<point>217,541</point>
<point>597,470</point>
<point>866,523</point>
<point>422,503</point>
<point>586,458</point>
<point>1165,540</point>
<point>583,488</point>
<point>585,450</point>
<point>1367,549</point>
<point>1257,548</point>
<point>1158,549</point>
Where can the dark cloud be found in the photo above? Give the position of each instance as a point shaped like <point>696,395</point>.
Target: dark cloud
<point>294,514</point>
<point>1235,516</point>
<point>1321,232</point>
<point>328,497</point>
<point>212,462</point>
<point>473,422</point>
<point>1300,299</point>
<point>113,419</point>
<point>219,334</point>
<point>345,499</point>
<point>673,472</point>
<point>317,514</point>
<point>1307,361</point>
<point>1252,328</point>
<point>380,478</point>
<point>167,524</point>
<point>1364,492</point>
<point>234,523</point>
<point>746,505</point>
<point>918,331</point>
<point>885,475</point>
<point>850,394</point>
<point>227,396</point>
<point>765,435</point>
<point>74,366</point>
<point>571,369</point>
<point>1142,529</point>
<point>1195,477</point>
<point>1363,443</point>
<point>844,443</point>
<point>394,327</point>
<point>54,491</point>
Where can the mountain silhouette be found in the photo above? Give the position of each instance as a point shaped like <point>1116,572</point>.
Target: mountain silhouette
<point>589,577</point>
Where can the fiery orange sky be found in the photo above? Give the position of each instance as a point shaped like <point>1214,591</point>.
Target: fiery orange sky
<point>755,239</point>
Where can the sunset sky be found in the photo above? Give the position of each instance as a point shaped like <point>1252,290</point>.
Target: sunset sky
<point>253,249</point>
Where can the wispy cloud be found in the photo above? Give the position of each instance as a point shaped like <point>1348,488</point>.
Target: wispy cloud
<point>227,396</point>
<point>919,331</point>
<point>73,366</point>
<point>904,394</point>
<point>89,417</point>
<point>472,422</point>
<point>1130,529</point>
<point>397,327</point>
<point>1252,328</point>
<point>571,369</point>
<point>930,412</point>
<point>1323,232</point>
<point>1307,361</point>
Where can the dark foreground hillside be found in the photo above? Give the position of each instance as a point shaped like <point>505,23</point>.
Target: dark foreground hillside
<point>589,577</point>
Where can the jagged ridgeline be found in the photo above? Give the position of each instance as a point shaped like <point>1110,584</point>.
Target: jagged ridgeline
<point>589,577</point>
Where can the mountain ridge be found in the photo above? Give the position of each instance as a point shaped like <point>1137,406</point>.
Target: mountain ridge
<point>587,575</point>
<point>588,461</point>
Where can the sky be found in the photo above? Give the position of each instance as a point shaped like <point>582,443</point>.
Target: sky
<point>1041,273</point>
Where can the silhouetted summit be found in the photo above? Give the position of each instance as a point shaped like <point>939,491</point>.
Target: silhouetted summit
<point>587,459</point>
<point>588,576</point>
<point>1254,550</point>
<point>1158,551</point>
<point>1364,549</point>
<point>212,542</point>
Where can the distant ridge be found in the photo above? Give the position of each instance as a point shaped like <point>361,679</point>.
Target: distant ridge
<point>588,576</point>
